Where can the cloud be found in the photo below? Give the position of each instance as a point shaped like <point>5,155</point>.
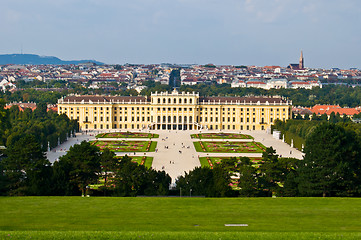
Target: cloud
<point>266,11</point>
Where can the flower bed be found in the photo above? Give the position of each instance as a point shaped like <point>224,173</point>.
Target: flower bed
<point>124,146</point>
<point>127,135</point>
<point>229,147</point>
<point>221,136</point>
<point>211,161</point>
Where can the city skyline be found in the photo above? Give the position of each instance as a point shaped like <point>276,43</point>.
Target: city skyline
<point>250,32</point>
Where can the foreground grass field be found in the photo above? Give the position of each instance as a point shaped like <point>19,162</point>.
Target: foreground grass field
<point>180,218</point>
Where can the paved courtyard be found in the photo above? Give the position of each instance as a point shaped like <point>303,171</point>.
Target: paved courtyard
<point>175,150</point>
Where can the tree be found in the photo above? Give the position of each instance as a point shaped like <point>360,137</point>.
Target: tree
<point>331,165</point>
<point>27,168</point>
<point>4,120</point>
<point>108,162</point>
<point>206,182</point>
<point>248,182</point>
<point>84,159</point>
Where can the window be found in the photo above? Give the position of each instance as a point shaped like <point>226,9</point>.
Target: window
<point>101,119</point>
<point>115,119</point>
<point>254,119</point>
<point>115,126</point>
<point>158,100</point>
<point>185,100</point>
<point>101,108</point>
<point>107,119</point>
<point>95,119</point>
<point>95,126</point>
<point>125,119</point>
<point>190,101</point>
<point>163,100</point>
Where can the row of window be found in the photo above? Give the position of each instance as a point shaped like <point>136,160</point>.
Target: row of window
<point>169,101</point>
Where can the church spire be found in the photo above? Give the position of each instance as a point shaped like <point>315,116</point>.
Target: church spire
<point>301,64</point>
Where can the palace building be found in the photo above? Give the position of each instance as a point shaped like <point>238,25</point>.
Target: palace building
<point>175,111</point>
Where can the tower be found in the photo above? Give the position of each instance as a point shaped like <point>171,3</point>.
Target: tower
<point>301,64</point>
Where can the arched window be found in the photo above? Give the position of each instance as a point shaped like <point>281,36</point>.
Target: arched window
<point>185,100</point>
<point>169,119</point>
<point>174,100</point>
<point>185,119</point>
<point>190,101</point>
<point>158,119</point>
<point>169,101</point>
<point>174,119</point>
<point>180,119</point>
<point>180,100</point>
<point>158,100</point>
<point>164,119</point>
<point>163,100</point>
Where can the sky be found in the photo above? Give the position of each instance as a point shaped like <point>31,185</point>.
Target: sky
<point>222,32</point>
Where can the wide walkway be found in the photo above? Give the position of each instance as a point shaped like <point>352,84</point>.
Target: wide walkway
<point>175,150</point>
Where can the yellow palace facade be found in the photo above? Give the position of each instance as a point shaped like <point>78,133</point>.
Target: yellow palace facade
<point>174,111</point>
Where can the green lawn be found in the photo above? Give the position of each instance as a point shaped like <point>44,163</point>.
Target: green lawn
<point>229,147</point>
<point>127,135</point>
<point>180,218</point>
<point>126,146</point>
<point>180,214</point>
<point>147,161</point>
<point>221,136</point>
<point>217,160</point>
<point>110,235</point>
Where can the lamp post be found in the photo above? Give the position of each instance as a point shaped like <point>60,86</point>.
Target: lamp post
<point>190,192</point>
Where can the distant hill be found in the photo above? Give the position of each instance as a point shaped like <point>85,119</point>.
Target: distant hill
<point>38,60</point>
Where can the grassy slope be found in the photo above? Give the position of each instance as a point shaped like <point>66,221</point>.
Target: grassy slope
<point>180,214</point>
<point>173,235</point>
